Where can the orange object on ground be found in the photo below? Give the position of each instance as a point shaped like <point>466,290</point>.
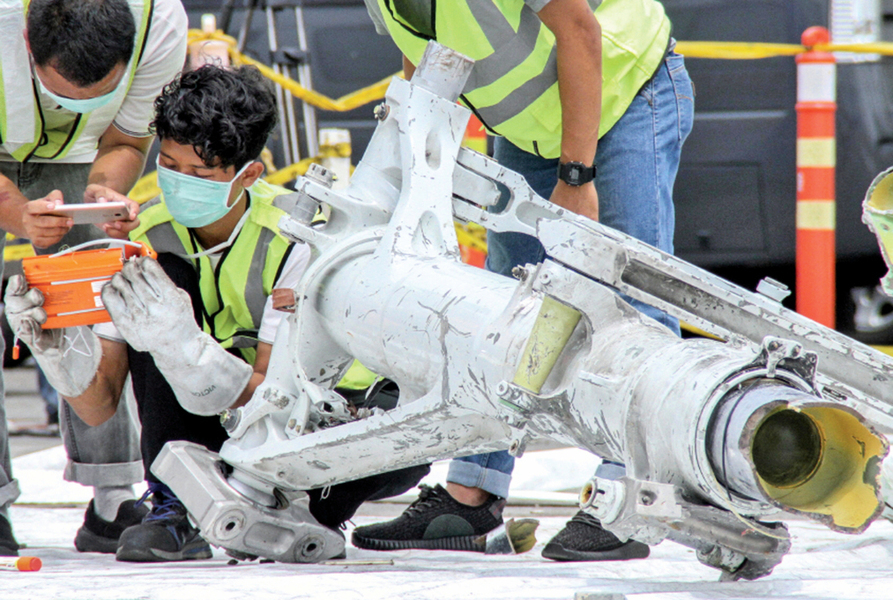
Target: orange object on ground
<point>71,283</point>
<point>20,563</point>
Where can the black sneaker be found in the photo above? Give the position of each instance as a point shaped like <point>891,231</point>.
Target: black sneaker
<point>8,544</point>
<point>99,535</point>
<point>433,522</point>
<point>583,538</point>
<point>165,534</point>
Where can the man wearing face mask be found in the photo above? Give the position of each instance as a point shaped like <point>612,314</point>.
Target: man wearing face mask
<point>195,329</point>
<point>78,81</point>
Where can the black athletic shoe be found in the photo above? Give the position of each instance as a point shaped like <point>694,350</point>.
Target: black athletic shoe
<point>8,544</point>
<point>433,522</point>
<point>165,534</point>
<point>583,538</point>
<point>99,535</point>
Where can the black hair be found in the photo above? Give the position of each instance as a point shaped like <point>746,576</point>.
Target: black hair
<point>226,115</point>
<point>82,39</point>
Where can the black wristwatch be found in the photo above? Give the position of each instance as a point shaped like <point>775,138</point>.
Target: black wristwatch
<point>575,173</point>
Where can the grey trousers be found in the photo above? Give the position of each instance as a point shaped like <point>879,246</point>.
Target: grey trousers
<point>107,455</point>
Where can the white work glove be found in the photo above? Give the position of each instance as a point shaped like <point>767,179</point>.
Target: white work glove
<point>156,316</point>
<point>69,357</point>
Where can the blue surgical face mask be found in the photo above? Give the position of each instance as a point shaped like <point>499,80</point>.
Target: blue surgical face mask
<point>195,202</point>
<point>82,106</point>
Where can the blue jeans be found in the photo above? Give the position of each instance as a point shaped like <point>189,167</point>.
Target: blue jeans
<point>637,164</point>
<point>108,454</point>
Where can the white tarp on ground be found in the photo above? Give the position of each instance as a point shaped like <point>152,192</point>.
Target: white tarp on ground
<point>822,564</point>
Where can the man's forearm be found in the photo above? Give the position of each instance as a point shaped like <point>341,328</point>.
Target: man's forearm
<point>117,167</point>
<point>120,160</point>
<point>579,48</point>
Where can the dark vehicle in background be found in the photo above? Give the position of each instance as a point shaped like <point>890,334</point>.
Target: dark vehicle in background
<point>736,189</point>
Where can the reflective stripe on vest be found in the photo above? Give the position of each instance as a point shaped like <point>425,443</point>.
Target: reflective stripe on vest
<point>513,87</point>
<point>22,127</point>
<point>235,293</point>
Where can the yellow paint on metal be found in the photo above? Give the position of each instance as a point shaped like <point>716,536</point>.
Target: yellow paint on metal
<point>817,214</point>
<point>551,331</point>
<point>816,152</point>
<point>844,484</point>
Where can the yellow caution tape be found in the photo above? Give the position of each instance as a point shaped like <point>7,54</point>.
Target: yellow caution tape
<point>342,150</point>
<point>17,251</point>
<point>145,188</point>
<point>351,101</point>
<point>376,91</point>
<point>748,50</point>
<point>286,174</point>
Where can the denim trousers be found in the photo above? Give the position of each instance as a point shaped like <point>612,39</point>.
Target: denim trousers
<point>165,420</point>
<point>637,162</point>
<point>106,455</point>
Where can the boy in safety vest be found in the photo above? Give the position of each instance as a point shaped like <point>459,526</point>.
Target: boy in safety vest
<point>78,81</point>
<point>194,329</point>
<point>565,84</point>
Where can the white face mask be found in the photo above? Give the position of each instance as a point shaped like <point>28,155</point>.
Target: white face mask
<point>82,106</point>
<point>193,201</point>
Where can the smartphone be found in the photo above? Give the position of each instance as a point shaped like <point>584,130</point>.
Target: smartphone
<point>94,212</point>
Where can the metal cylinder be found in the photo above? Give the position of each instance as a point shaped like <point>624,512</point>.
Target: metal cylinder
<point>775,443</point>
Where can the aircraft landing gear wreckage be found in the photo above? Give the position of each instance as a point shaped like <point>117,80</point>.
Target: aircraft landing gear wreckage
<point>720,438</point>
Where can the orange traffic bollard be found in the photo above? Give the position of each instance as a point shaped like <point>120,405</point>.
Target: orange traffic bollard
<point>475,135</point>
<point>816,162</point>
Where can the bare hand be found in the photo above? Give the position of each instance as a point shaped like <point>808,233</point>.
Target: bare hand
<point>114,229</point>
<point>42,227</point>
<point>582,200</point>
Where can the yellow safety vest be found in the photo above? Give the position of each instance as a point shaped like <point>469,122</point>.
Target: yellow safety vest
<point>235,294</point>
<point>23,131</point>
<point>513,87</point>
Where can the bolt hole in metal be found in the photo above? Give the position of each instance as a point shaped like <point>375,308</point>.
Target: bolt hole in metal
<point>230,526</point>
<point>312,548</point>
<point>586,494</point>
<point>432,150</point>
<point>792,430</point>
<point>647,498</point>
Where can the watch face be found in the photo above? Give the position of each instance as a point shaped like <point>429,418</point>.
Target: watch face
<point>575,173</point>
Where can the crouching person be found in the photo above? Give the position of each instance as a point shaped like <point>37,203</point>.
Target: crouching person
<point>195,329</point>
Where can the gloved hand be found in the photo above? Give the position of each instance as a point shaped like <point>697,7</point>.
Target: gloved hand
<point>69,357</point>
<point>156,316</point>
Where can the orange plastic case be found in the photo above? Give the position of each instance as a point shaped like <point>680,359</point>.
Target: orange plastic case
<point>71,283</point>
